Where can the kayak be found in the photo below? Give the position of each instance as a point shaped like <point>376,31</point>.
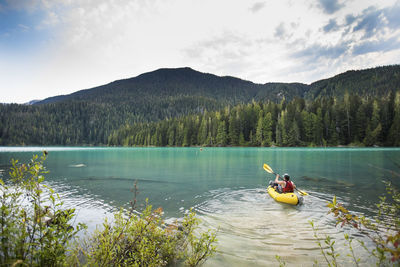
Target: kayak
<point>289,198</point>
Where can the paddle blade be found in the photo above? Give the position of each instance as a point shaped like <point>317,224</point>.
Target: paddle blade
<point>302,192</point>
<point>267,168</point>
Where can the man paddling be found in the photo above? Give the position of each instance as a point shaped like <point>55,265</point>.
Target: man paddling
<point>285,186</point>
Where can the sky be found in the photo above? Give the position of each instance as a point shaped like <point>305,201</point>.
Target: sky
<point>54,47</point>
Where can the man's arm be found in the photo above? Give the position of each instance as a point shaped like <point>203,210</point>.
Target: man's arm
<point>277,180</point>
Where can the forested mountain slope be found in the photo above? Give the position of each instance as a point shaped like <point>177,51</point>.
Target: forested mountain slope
<point>358,121</point>
<point>378,81</point>
<point>89,117</point>
<point>167,86</point>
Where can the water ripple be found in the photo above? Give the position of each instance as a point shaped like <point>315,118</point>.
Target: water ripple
<point>253,228</point>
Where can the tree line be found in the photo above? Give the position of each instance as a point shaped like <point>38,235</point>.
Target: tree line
<point>326,121</point>
<point>93,116</point>
<point>88,123</point>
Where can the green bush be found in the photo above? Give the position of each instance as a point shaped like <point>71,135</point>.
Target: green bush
<point>37,231</point>
<point>145,240</point>
<point>383,231</point>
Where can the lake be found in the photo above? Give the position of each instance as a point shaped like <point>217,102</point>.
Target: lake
<point>227,189</point>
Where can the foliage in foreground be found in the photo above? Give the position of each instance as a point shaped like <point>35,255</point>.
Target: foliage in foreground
<point>383,231</point>
<point>144,240</point>
<point>37,231</point>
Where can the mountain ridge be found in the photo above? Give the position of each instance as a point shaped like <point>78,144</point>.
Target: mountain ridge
<point>377,79</point>
<point>189,81</point>
<point>89,116</point>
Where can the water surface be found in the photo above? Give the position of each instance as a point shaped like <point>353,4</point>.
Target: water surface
<point>227,188</point>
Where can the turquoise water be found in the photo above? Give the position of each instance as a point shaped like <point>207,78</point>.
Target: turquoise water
<point>226,187</point>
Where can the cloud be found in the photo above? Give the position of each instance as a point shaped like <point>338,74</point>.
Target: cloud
<point>227,53</point>
<point>330,6</point>
<point>392,16</point>
<point>51,19</point>
<point>377,46</point>
<point>79,44</point>
<point>294,25</point>
<point>280,31</point>
<point>350,18</point>
<point>23,27</point>
<point>227,45</point>
<point>373,30</point>
<point>285,31</point>
<point>257,7</point>
<point>374,20</point>
<point>316,52</point>
<point>371,21</point>
<point>22,4</point>
<point>331,26</point>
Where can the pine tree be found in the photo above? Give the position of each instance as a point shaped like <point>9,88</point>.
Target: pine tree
<point>259,130</point>
<point>294,135</point>
<point>394,132</point>
<point>374,128</point>
<point>242,141</point>
<point>203,131</point>
<point>318,128</point>
<point>278,138</point>
<point>171,134</point>
<point>221,139</point>
<point>284,127</point>
<point>234,130</point>
<point>308,123</point>
<point>361,121</point>
<point>267,130</point>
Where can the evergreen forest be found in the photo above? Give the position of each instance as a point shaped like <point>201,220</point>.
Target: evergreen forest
<point>184,107</point>
<point>325,121</point>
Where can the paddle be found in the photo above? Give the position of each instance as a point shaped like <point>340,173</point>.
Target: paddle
<point>269,169</point>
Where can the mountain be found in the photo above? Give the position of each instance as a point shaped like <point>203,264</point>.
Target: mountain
<point>88,117</point>
<point>369,82</point>
<point>179,84</point>
<point>32,102</point>
<point>167,86</point>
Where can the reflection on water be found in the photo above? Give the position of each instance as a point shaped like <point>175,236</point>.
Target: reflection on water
<point>253,229</point>
<point>89,209</point>
<point>227,187</point>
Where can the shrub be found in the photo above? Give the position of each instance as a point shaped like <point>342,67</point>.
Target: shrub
<point>37,231</point>
<point>384,230</point>
<point>145,240</point>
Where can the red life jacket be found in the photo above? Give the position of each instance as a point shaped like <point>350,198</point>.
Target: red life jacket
<point>288,188</point>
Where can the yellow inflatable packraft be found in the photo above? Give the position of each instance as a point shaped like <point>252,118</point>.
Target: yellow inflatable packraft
<point>289,198</point>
